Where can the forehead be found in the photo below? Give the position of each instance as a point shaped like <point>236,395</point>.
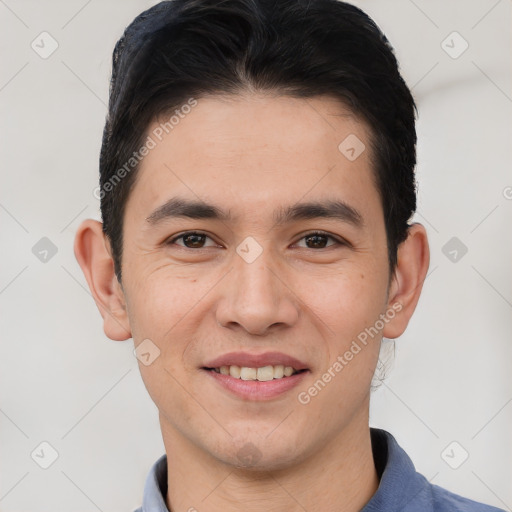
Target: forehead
<point>251,151</point>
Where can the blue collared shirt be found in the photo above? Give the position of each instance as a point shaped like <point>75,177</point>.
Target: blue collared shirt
<point>401,488</point>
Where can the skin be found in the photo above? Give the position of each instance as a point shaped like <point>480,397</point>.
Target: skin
<point>252,154</point>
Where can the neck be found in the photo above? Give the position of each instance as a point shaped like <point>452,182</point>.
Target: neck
<point>339,477</point>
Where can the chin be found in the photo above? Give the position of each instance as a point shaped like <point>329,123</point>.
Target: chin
<point>260,454</point>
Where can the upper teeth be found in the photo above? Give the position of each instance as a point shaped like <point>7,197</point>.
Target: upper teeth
<point>263,373</point>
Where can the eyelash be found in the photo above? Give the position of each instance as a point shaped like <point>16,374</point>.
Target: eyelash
<point>312,233</point>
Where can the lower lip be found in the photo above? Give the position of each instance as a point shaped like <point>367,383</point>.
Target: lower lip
<point>256,390</point>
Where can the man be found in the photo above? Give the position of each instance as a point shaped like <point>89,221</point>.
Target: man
<point>256,184</point>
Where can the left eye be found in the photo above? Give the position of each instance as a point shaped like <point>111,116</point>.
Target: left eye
<point>318,240</point>
<point>195,240</point>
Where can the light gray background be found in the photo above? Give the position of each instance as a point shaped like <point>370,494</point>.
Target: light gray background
<point>63,382</point>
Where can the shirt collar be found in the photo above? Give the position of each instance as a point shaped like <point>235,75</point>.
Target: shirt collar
<point>156,488</point>
<point>400,488</point>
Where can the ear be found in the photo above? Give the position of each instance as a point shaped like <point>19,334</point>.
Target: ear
<point>407,281</point>
<point>93,253</point>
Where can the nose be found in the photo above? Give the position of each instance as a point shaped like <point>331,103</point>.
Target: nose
<point>257,297</point>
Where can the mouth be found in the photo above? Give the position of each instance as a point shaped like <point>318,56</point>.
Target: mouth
<point>256,377</point>
<point>261,374</point>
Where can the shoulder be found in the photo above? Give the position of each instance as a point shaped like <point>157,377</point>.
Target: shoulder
<point>446,501</point>
<point>402,488</point>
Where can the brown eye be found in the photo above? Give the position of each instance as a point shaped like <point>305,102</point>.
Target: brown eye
<point>319,240</point>
<point>191,240</point>
<point>316,241</point>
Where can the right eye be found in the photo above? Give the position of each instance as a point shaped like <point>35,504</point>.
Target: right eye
<point>191,240</point>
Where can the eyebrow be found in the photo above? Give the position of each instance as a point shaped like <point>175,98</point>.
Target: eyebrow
<point>183,208</point>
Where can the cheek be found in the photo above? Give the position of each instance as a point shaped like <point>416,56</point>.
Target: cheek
<point>350,304</point>
<point>347,301</point>
<point>158,307</point>
<point>164,306</point>
<point>158,301</point>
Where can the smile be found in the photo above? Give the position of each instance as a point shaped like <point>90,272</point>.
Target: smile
<point>261,374</point>
<point>256,377</point>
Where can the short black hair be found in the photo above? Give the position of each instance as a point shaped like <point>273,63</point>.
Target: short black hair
<point>183,49</point>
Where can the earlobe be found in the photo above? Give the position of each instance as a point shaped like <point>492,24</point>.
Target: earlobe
<point>93,256</point>
<point>407,282</point>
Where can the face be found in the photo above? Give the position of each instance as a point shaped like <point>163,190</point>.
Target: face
<point>256,279</point>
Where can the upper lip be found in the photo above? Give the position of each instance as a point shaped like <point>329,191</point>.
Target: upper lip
<point>256,360</point>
